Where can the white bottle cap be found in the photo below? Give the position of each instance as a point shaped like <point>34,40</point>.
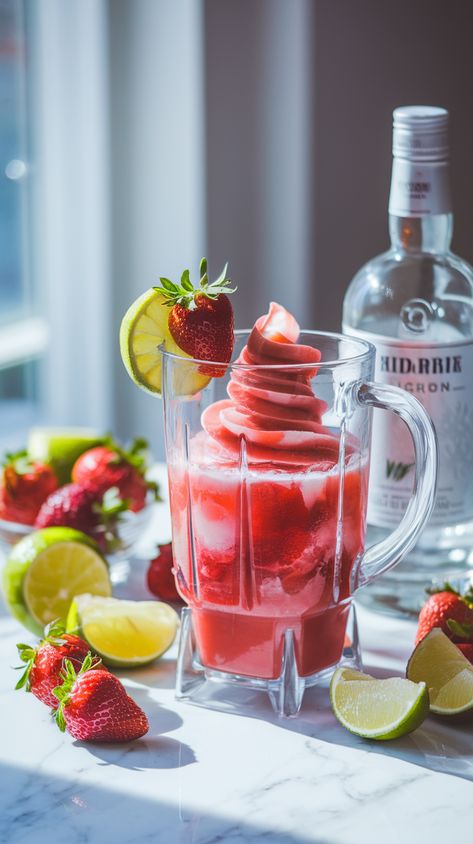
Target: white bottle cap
<point>420,133</point>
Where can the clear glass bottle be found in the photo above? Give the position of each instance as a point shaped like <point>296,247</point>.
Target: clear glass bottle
<point>415,303</point>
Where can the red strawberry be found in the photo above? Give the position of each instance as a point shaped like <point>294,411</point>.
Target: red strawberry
<point>111,466</point>
<point>201,319</point>
<point>84,508</point>
<point>467,650</point>
<point>24,485</point>
<point>94,706</point>
<point>160,577</point>
<point>45,663</point>
<point>449,611</point>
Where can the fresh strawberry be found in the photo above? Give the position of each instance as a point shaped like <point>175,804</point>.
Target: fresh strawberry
<point>94,706</point>
<point>84,508</point>
<point>201,319</point>
<point>448,610</point>
<point>112,466</point>
<point>45,663</point>
<point>24,485</point>
<point>160,577</point>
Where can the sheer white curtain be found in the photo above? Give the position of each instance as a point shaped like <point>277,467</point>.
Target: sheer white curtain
<point>158,168</point>
<point>70,187</point>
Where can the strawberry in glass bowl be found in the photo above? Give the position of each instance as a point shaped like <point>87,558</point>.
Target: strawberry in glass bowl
<point>109,498</point>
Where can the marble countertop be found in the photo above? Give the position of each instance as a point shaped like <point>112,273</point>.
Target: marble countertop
<point>205,776</point>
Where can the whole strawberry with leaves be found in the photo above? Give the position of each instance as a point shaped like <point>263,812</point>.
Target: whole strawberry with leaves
<point>24,485</point>
<point>201,318</point>
<point>94,706</point>
<point>45,663</point>
<point>451,611</point>
<point>110,465</point>
<point>85,508</point>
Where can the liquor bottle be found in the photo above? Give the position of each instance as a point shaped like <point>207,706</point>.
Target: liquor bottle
<point>415,303</point>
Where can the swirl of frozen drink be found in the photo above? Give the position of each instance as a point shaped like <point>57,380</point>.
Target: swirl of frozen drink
<point>271,404</point>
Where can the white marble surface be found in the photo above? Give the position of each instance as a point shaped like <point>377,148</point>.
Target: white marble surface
<point>206,776</point>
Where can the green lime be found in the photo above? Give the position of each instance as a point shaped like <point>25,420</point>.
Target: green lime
<point>377,709</point>
<point>144,328</point>
<point>60,447</point>
<point>123,633</point>
<point>46,569</point>
<point>446,672</point>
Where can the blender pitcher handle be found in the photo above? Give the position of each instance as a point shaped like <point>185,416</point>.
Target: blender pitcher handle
<point>385,554</point>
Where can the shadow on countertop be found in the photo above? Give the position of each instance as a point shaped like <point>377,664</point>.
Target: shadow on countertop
<point>436,745</point>
<point>34,806</point>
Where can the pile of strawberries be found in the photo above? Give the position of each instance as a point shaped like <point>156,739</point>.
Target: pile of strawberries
<point>453,613</point>
<point>84,697</point>
<point>105,481</point>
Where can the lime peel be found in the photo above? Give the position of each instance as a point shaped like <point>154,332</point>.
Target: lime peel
<point>377,709</point>
<point>143,330</point>
<point>27,586</point>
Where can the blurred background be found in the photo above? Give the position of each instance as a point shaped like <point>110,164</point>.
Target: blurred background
<point>138,135</point>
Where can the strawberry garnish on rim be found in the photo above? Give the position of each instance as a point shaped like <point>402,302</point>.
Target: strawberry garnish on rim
<point>201,318</point>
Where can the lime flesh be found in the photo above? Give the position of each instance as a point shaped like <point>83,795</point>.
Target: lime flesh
<point>446,672</point>
<point>377,709</point>
<point>144,328</point>
<point>124,633</point>
<point>46,569</point>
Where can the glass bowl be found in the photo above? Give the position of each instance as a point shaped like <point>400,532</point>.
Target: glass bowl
<point>126,535</point>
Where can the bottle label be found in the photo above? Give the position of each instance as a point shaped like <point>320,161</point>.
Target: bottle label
<point>419,188</point>
<point>441,377</point>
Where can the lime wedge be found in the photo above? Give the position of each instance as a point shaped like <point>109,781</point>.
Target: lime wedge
<point>46,569</point>
<point>144,328</point>
<point>377,709</point>
<point>446,672</point>
<point>124,633</point>
<point>60,447</point>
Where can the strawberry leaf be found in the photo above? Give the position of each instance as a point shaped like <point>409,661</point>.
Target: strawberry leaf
<point>446,587</point>
<point>186,282</point>
<point>461,629</point>
<point>23,681</point>
<point>168,285</point>
<point>154,488</point>
<point>185,293</point>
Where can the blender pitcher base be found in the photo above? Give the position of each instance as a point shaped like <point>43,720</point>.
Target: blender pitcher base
<point>198,684</point>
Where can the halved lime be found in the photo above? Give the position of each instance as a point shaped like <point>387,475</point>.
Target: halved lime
<point>446,672</point>
<point>46,569</point>
<point>144,328</point>
<point>60,447</point>
<point>124,633</point>
<point>377,709</point>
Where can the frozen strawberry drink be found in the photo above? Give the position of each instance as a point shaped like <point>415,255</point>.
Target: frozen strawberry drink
<point>268,436</point>
<point>268,512</point>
